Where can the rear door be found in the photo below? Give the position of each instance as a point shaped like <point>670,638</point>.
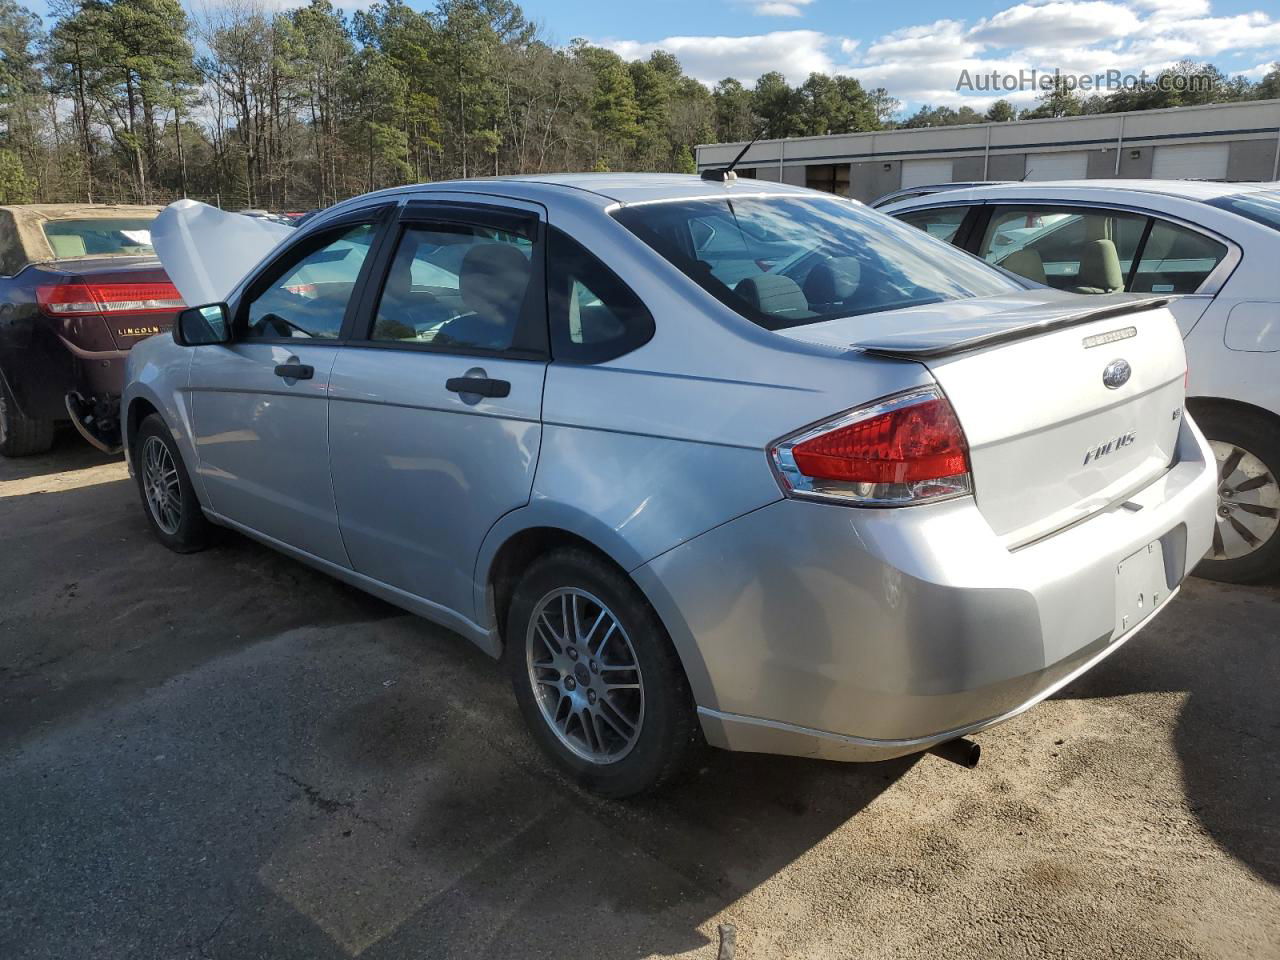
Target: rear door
<point>435,411</point>
<point>259,404</point>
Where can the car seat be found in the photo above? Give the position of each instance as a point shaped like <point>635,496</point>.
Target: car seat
<point>1099,268</point>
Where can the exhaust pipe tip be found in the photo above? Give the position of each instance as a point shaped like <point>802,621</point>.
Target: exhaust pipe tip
<point>962,751</point>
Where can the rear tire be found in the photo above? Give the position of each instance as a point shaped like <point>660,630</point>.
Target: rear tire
<point>608,701</point>
<point>1246,542</point>
<point>168,499</point>
<point>21,436</point>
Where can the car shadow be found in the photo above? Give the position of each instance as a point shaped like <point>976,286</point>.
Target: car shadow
<point>1227,735</point>
<point>95,609</point>
<point>69,452</point>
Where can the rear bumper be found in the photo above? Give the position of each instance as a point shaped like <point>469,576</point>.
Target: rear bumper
<point>857,634</point>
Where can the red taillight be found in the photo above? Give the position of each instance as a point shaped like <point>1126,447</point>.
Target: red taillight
<point>73,299</point>
<point>905,449</point>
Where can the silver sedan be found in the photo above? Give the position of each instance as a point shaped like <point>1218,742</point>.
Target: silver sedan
<point>697,459</point>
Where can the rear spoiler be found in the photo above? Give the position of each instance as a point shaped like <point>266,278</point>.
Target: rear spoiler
<point>928,350</point>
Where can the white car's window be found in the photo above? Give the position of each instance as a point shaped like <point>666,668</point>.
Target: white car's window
<point>310,297</point>
<point>1176,260</point>
<point>789,261</point>
<point>455,286</point>
<point>940,223</point>
<point>1084,251</point>
<point>1260,206</point>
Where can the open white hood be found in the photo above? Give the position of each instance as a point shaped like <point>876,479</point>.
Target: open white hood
<point>206,251</point>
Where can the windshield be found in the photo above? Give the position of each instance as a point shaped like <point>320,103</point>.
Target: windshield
<point>1262,206</point>
<point>100,237</point>
<point>783,261</point>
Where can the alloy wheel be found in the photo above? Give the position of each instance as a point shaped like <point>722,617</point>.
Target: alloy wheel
<point>161,485</point>
<point>585,675</point>
<point>1248,503</point>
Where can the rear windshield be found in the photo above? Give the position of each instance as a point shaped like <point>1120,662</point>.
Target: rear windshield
<point>788,261</point>
<point>1262,206</point>
<point>100,237</point>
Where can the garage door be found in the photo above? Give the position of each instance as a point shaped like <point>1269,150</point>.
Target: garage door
<point>1057,166</point>
<point>917,173</point>
<point>1190,161</point>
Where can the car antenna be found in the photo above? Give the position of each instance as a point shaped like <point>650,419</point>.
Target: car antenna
<point>723,174</point>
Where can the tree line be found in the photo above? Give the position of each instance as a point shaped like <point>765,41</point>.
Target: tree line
<point>137,101</point>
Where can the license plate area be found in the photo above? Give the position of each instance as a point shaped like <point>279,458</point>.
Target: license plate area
<point>1142,585</point>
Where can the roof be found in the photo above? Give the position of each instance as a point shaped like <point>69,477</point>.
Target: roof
<point>28,244</point>
<point>68,211</point>
<point>1186,189</point>
<point>616,187</point>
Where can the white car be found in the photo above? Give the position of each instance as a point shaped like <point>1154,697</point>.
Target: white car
<point>1215,249</point>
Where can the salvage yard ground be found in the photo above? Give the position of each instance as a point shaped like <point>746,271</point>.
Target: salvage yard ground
<point>229,755</point>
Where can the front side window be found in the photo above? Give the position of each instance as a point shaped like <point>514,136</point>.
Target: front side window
<point>309,298</point>
<point>1084,251</point>
<point>942,223</point>
<point>455,286</point>
<point>788,261</point>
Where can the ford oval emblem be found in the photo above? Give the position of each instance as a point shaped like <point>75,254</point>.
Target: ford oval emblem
<point>1116,374</point>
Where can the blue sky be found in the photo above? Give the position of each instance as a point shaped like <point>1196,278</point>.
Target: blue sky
<point>917,50</point>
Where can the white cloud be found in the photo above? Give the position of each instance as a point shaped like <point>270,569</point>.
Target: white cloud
<point>795,53</point>
<point>922,63</point>
<point>1027,24</point>
<point>780,8</point>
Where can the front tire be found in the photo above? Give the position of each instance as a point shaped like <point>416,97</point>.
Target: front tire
<point>168,499</point>
<point>1246,540</point>
<point>21,436</point>
<point>596,677</point>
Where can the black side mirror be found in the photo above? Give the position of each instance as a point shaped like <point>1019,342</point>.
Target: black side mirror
<point>198,326</point>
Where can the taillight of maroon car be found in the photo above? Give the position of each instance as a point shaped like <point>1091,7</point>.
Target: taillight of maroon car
<point>133,304</point>
<point>898,451</point>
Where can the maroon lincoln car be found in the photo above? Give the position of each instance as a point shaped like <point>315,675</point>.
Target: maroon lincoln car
<point>79,286</point>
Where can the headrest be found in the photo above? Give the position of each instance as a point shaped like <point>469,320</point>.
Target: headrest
<point>772,293</point>
<point>1099,268</point>
<point>492,281</point>
<point>67,245</point>
<point>1026,263</point>
<point>833,281</point>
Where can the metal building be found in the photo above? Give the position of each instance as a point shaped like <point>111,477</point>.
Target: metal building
<point>1227,141</point>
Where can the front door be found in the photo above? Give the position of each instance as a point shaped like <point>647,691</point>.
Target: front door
<point>435,421</point>
<point>260,404</point>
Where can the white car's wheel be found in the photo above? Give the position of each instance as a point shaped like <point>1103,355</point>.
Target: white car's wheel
<point>167,495</point>
<point>1246,539</point>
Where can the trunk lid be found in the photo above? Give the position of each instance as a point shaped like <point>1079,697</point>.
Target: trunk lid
<point>1050,442</point>
<point>125,328</point>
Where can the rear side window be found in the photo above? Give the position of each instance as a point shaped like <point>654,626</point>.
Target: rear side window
<point>455,286</point>
<point>1176,260</point>
<point>594,315</point>
<point>941,223</point>
<point>1081,250</point>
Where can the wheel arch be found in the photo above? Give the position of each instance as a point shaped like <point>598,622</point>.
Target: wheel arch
<point>1196,405</point>
<point>523,536</point>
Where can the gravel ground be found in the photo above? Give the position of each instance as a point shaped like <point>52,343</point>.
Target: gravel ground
<point>229,755</point>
